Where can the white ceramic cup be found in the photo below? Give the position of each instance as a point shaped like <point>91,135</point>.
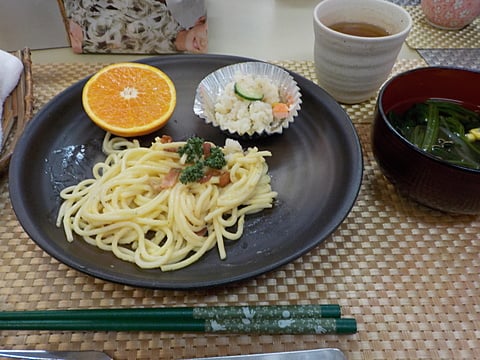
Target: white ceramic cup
<point>352,68</point>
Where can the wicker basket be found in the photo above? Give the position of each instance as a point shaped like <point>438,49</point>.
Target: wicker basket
<point>17,110</point>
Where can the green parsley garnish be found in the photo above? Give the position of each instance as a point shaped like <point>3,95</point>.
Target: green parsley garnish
<point>198,162</point>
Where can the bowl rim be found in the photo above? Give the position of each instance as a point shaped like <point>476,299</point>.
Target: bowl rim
<point>384,118</point>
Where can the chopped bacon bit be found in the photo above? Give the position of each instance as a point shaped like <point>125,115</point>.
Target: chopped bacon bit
<point>172,149</point>
<point>206,177</point>
<point>215,172</point>
<point>224,179</point>
<point>165,139</point>
<point>202,232</point>
<point>170,179</point>
<point>206,149</point>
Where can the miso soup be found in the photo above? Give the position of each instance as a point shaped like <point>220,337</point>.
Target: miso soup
<point>444,129</point>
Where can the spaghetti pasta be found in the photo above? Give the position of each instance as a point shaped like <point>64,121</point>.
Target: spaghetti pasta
<point>135,206</point>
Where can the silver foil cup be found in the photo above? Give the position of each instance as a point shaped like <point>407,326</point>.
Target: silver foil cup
<point>213,85</point>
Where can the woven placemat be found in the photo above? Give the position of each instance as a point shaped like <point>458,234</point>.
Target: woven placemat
<point>408,274</point>
<point>463,58</point>
<point>406,2</point>
<point>359,113</point>
<point>425,36</point>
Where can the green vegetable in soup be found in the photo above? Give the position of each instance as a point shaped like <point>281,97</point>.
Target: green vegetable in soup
<point>444,129</point>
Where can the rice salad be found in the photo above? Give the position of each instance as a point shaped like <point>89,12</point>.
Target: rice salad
<point>241,112</point>
<point>248,100</point>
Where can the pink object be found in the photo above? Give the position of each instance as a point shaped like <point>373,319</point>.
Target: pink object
<point>450,14</point>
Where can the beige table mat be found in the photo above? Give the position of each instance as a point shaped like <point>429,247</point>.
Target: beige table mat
<point>409,275</point>
<point>359,113</point>
<point>425,36</point>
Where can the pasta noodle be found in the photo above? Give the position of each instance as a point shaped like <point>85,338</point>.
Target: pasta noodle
<point>131,208</point>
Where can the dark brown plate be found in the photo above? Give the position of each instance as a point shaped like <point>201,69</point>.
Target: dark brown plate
<point>316,168</point>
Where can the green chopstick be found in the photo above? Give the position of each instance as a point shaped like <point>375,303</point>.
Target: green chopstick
<point>201,312</point>
<point>231,325</point>
<point>278,319</point>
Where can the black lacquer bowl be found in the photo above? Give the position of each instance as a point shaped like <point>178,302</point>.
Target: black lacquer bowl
<point>425,178</point>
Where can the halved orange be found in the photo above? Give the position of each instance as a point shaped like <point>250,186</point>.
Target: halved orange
<point>129,99</point>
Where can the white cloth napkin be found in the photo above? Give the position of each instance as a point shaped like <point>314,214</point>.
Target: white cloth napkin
<point>10,70</point>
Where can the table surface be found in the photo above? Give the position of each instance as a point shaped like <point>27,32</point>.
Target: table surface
<point>408,274</point>
<point>265,30</point>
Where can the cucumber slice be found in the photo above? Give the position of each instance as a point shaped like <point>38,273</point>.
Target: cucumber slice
<point>248,92</point>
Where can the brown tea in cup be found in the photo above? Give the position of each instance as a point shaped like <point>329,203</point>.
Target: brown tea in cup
<point>359,29</point>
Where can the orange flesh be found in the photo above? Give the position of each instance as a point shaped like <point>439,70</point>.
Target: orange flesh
<point>129,97</point>
<point>152,97</point>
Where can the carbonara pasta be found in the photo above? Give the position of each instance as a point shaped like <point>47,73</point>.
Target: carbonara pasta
<point>135,206</point>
